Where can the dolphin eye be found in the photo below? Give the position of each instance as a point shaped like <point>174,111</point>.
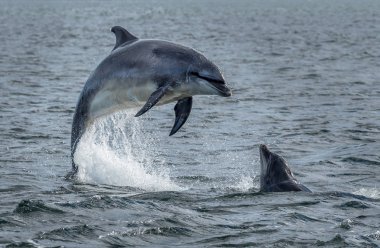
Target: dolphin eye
<point>207,78</point>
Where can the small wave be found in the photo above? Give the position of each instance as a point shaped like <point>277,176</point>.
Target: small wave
<point>148,235</point>
<point>220,240</point>
<point>101,202</point>
<point>162,231</point>
<point>166,196</point>
<point>68,233</point>
<point>14,188</point>
<point>338,240</point>
<point>27,244</point>
<point>360,160</point>
<point>115,151</point>
<point>311,76</point>
<point>11,221</point>
<point>218,210</point>
<point>350,195</point>
<point>239,195</point>
<point>303,217</point>
<point>301,203</point>
<point>235,239</point>
<point>353,204</point>
<point>30,206</point>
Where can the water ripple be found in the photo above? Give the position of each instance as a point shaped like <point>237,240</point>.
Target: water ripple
<point>33,206</point>
<point>305,80</point>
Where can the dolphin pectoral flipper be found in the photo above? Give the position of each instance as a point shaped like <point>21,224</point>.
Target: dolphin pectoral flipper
<point>153,99</point>
<point>182,111</point>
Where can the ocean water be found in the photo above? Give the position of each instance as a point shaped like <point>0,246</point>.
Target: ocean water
<point>306,81</point>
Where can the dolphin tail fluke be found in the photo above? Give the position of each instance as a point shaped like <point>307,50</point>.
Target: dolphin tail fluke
<point>153,99</point>
<point>182,111</point>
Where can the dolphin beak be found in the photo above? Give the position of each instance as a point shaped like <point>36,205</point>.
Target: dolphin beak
<point>222,88</point>
<point>264,156</point>
<point>264,159</point>
<point>216,81</point>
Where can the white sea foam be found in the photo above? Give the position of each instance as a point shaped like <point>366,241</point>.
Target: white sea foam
<point>115,151</point>
<point>369,192</point>
<point>245,184</point>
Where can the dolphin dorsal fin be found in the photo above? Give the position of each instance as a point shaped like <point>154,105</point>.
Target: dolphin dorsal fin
<point>122,36</point>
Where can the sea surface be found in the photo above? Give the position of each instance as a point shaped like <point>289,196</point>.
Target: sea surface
<point>305,77</point>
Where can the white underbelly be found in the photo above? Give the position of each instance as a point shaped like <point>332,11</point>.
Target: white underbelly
<point>117,96</point>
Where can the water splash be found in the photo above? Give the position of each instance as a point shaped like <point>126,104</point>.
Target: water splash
<point>115,151</point>
<point>245,184</point>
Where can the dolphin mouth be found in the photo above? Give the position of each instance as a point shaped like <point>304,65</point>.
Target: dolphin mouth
<point>264,151</point>
<point>221,88</point>
<point>217,83</point>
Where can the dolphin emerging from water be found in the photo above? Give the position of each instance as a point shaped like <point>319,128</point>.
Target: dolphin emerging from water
<point>145,73</point>
<point>275,173</point>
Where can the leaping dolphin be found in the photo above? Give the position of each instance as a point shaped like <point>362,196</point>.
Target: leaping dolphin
<point>145,72</point>
<point>275,173</point>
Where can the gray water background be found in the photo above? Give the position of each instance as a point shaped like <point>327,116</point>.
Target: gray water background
<point>306,81</point>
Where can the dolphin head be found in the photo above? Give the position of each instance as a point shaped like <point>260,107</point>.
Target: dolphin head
<point>194,73</point>
<point>274,168</point>
<point>207,80</point>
